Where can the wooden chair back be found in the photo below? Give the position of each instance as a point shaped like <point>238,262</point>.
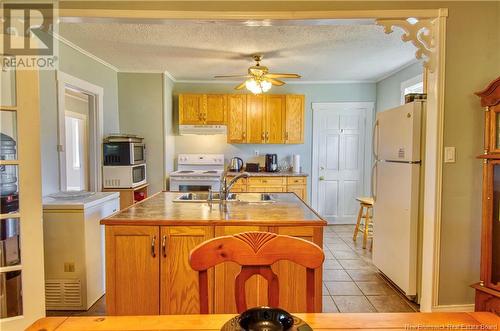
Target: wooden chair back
<point>255,252</point>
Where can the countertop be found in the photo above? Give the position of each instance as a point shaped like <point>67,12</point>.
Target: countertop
<point>79,203</point>
<point>270,174</point>
<point>161,209</point>
<point>319,321</point>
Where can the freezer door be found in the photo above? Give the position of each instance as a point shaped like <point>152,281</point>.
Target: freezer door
<point>397,133</point>
<point>395,223</point>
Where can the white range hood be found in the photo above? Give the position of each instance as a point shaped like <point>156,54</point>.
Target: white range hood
<point>202,129</point>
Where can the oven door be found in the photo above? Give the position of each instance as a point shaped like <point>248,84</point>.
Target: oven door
<point>180,184</point>
<point>138,175</point>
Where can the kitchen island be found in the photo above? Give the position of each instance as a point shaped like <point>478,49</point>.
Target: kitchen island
<point>148,245</point>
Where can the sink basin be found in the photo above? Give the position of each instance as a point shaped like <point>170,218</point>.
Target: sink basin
<point>255,197</point>
<point>232,197</point>
<point>202,197</point>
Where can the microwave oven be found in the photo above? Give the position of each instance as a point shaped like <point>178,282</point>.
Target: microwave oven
<point>124,176</point>
<point>123,153</point>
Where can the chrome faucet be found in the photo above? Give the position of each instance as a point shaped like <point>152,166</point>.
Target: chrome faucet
<point>225,187</point>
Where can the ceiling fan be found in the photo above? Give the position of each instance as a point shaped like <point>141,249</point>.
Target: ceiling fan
<point>259,79</point>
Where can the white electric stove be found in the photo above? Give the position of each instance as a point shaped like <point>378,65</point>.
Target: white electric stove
<point>197,172</point>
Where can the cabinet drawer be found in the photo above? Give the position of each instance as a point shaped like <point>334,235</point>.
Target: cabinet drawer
<point>239,182</point>
<point>266,189</point>
<point>296,180</point>
<point>240,188</point>
<point>266,181</point>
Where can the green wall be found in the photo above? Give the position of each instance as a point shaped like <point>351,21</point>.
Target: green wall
<point>140,97</point>
<point>81,66</point>
<point>389,89</point>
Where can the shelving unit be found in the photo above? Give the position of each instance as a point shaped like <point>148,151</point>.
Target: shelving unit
<point>488,289</point>
<point>21,273</point>
<point>127,195</point>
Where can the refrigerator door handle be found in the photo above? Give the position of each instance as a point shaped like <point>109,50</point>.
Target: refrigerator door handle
<point>375,138</point>
<point>373,184</point>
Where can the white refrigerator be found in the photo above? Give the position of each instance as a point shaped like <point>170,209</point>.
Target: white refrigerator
<point>395,186</point>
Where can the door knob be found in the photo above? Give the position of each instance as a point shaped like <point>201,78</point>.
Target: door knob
<point>321,168</point>
<point>321,178</point>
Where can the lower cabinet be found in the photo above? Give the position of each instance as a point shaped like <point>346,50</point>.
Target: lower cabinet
<point>148,271</point>
<point>292,277</point>
<point>132,270</point>
<point>179,292</point>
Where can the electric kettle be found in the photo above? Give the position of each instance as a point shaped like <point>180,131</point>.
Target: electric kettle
<point>236,164</point>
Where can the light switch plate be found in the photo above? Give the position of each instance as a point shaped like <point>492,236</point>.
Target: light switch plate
<point>449,155</point>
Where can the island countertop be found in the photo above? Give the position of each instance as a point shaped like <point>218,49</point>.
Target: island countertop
<point>161,209</point>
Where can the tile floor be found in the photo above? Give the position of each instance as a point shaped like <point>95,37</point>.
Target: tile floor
<point>351,283</point>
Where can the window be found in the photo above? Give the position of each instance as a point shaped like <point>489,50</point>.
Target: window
<point>412,85</point>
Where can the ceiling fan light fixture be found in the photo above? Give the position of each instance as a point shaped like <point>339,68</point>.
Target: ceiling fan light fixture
<point>258,86</point>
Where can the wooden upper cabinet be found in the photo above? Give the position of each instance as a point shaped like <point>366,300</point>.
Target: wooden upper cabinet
<point>294,119</point>
<point>255,119</point>
<point>132,270</point>
<point>274,119</point>
<point>250,119</point>
<point>215,112</point>
<point>197,109</point>
<point>236,118</point>
<point>178,281</point>
<point>191,109</point>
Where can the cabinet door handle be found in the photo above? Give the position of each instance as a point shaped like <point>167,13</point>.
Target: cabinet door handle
<point>244,135</point>
<point>267,136</point>
<point>263,135</point>
<point>153,245</point>
<point>286,136</point>
<point>164,246</point>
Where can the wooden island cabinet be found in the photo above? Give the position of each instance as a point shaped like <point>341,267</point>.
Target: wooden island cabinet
<point>148,246</point>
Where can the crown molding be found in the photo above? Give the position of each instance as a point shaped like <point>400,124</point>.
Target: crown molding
<point>169,75</point>
<point>84,52</point>
<point>310,82</point>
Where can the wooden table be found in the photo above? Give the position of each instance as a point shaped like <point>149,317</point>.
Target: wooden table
<point>372,321</point>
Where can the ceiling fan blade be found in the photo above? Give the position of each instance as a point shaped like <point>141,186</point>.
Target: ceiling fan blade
<point>233,76</point>
<point>276,82</point>
<point>278,75</point>
<point>239,87</point>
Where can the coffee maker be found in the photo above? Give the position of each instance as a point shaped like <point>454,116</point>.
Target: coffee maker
<point>271,162</point>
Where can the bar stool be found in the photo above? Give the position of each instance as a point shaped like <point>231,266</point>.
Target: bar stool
<point>365,214</point>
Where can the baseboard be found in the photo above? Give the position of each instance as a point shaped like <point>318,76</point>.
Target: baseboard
<point>452,308</point>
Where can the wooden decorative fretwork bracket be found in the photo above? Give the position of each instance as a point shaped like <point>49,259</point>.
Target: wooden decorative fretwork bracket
<point>420,32</point>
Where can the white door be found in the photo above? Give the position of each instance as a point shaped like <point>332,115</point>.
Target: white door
<point>77,176</point>
<point>339,159</point>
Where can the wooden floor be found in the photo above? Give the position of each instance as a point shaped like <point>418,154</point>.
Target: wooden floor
<point>351,283</point>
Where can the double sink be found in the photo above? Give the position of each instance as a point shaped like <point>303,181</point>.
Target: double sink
<point>231,197</point>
